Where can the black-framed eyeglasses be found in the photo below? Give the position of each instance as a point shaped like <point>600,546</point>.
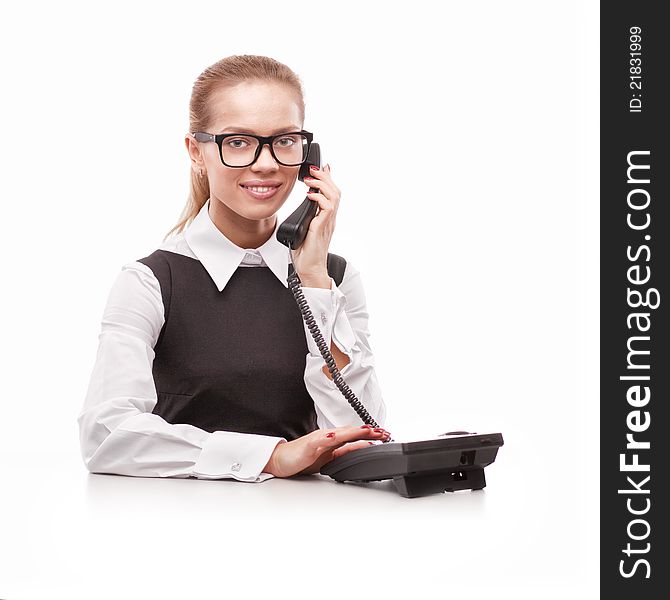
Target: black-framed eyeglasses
<point>239,150</point>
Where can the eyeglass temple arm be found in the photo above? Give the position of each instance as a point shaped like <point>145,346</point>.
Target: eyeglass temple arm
<point>203,137</point>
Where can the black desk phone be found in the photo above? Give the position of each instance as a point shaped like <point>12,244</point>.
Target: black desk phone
<point>448,462</point>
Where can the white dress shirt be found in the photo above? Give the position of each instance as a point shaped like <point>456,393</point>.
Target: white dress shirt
<point>118,431</point>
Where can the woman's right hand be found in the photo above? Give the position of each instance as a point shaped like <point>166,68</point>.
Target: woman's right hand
<point>307,454</point>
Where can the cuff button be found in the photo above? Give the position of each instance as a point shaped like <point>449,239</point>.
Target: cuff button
<point>235,467</point>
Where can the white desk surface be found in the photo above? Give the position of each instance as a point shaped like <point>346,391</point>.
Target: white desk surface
<point>70,534</point>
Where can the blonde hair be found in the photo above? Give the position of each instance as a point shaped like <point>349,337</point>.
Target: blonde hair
<point>227,72</point>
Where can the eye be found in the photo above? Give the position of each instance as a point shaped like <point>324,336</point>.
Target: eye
<point>286,141</point>
<point>237,143</point>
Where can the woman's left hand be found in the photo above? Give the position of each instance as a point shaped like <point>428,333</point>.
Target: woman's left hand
<point>310,260</point>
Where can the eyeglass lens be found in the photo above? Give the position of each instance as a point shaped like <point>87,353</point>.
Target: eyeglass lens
<point>239,151</point>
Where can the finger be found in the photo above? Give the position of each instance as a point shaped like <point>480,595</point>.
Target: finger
<point>323,175</point>
<point>318,171</point>
<point>347,429</point>
<point>323,201</point>
<point>330,179</point>
<point>342,435</point>
<point>350,448</point>
<point>327,188</point>
<point>325,184</point>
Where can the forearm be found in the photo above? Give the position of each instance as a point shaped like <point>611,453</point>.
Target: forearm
<point>321,280</point>
<point>341,360</point>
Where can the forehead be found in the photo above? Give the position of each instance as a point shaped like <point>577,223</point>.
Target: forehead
<point>256,107</point>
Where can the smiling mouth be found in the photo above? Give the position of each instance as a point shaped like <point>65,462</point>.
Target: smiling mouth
<point>261,192</point>
<point>259,188</point>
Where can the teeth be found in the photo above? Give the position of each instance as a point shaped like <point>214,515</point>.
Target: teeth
<point>259,189</point>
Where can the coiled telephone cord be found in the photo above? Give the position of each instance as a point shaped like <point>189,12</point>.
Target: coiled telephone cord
<point>294,285</point>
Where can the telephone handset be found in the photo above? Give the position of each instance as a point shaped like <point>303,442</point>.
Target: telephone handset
<point>453,462</point>
<point>293,231</point>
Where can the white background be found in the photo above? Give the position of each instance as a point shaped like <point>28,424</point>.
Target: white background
<point>479,256</point>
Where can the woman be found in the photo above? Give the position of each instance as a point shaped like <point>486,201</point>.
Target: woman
<point>203,369</point>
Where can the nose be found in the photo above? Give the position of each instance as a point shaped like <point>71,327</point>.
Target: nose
<point>265,159</point>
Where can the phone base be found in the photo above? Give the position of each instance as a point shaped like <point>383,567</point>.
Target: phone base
<point>413,486</point>
<point>421,467</point>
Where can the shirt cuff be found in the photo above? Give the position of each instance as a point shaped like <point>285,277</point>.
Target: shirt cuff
<point>241,456</point>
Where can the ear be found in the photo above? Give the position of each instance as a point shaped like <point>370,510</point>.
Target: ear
<point>194,152</point>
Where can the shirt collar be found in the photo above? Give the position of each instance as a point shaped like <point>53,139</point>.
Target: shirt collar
<point>221,257</point>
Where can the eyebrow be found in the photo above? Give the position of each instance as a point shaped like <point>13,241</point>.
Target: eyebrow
<point>247,130</point>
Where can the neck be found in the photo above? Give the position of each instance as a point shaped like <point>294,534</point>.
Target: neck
<point>244,233</point>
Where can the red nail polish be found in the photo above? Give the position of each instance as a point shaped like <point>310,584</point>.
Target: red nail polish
<point>313,167</point>
<point>379,430</point>
<point>366,426</point>
<point>331,434</point>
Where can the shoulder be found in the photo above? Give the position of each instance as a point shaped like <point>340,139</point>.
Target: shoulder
<point>136,280</point>
<point>161,261</point>
<point>177,244</point>
<point>336,265</point>
<point>344,267</point>
<point>134,303</point>
<point>174,246</point>
<point>351,285</point>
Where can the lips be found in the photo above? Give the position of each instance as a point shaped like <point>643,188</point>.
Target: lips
<point>261,183</point>
<point>261,190</point>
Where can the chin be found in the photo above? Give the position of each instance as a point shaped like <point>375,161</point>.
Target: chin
<point>274,203</point>
<point>262,211</point>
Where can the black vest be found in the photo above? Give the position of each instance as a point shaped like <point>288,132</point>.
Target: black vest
<point>232,360</point>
